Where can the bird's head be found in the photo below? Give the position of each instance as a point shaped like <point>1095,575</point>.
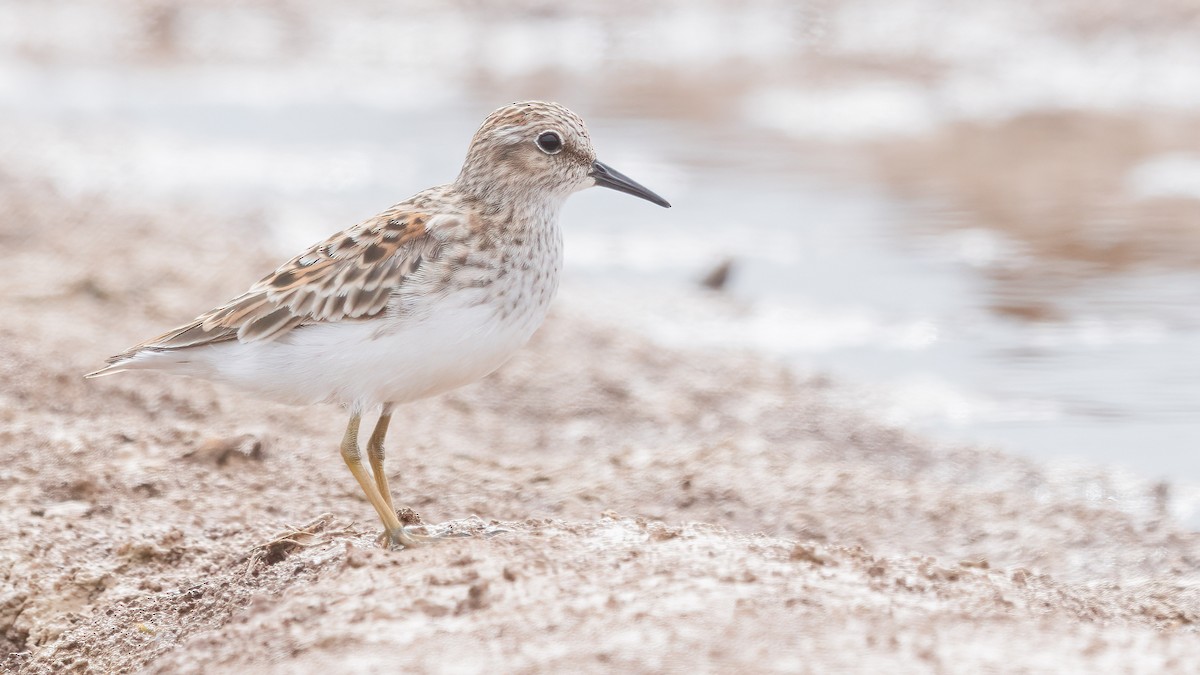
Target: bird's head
<point>539,150</point>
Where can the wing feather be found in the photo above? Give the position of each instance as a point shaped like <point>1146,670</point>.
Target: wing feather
<point>350,276</point>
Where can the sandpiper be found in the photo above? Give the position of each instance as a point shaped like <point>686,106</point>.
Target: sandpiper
<point>432,294</point>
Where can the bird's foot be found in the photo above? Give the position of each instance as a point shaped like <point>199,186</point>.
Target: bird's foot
<point>406,536</point>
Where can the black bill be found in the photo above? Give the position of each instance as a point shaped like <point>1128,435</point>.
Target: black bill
<point>611,178</point>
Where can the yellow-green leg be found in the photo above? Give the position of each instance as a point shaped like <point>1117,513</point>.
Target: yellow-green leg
<point>393,529</point>
<point>375,455</point>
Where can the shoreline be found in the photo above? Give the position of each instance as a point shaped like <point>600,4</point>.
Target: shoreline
<point>662,508</point>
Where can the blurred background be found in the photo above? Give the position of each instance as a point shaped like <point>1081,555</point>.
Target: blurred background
<point>980,219</point>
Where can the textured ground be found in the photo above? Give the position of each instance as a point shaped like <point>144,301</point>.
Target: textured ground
<point>633,510</point>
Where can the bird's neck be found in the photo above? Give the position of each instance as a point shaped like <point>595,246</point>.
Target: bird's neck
<point>512,200</point>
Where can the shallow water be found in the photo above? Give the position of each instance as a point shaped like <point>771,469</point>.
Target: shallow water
<point>766,145</point>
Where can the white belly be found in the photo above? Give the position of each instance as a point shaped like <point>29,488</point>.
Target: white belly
<point>434,338</point>
<point>362,364</point>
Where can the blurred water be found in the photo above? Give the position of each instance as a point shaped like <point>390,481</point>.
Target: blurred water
<point>769,169</point>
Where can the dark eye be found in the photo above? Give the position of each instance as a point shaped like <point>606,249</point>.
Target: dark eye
<point>549,143</point>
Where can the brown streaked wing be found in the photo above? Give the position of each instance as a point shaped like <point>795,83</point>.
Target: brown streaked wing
<point>351,275</point>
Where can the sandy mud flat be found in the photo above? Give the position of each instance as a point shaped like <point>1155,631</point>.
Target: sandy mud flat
<point>632,509</point>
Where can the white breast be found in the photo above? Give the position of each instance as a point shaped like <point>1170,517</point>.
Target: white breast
<point>362,364</point>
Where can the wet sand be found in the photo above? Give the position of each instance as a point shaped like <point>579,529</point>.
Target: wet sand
<point>631,509</point>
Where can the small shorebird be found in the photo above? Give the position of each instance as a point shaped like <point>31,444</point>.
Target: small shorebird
<point>430,295</point>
